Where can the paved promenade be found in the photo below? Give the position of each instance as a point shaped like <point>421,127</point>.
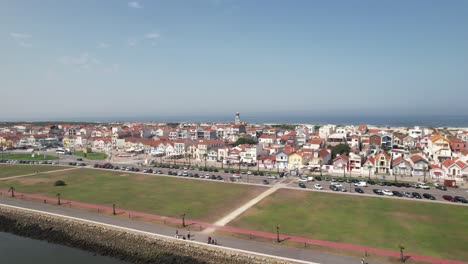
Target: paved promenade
<point>197,224</point>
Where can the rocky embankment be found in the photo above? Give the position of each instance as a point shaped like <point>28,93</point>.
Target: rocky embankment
<point>135,247</point>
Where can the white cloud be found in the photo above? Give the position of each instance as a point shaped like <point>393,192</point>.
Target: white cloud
<point>132,42</point>
<point>20,35</point>
<point>84,60</point>
<point>135,4</point>
<point>152,35</point>
<point>102,45</point>
<point>21,39</point>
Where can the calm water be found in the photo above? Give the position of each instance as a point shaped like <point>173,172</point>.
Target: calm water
<point>20,250</point>
<point>429,120</point>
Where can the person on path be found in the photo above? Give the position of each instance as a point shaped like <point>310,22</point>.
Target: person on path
<point>209,240</point>
<point>177,233</point>
<point>188,235</point>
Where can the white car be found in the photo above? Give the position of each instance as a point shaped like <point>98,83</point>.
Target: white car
<point>302,180</point>
<point>337,184</point>
<point>361,184</point>
<point>318,187</point>
<point>272,177</point>
<point>249,173</point>
<point>310,178</point>
<point>423,186</point>
<point>387,192</point>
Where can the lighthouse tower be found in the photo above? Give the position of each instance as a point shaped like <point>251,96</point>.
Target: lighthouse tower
<point>237,120</point>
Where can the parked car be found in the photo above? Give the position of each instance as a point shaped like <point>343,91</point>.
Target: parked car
<point>428,196</point>
<point>416,195</point>
<point>378,191</point>
<point>302,185</point>
<point>448,198</point>
<point>371,182</point>
<point>302,180</point>
<point>423,186</point>
<point>318,187</point>
<point>387,192</point>
<point>441,187</point>
<point>334,188</point>
<point>79,159</point>
<point>273,177</point>
<point>266,182</point>
<point>358,190</point>
<point>407,194</point>
<point>361,184</point>
<point>219,177</point>
<point>318,178</point>
<point>397,194</point>
<point>460,199</point>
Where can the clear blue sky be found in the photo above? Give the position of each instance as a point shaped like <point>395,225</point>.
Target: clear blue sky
<point>128,58</point>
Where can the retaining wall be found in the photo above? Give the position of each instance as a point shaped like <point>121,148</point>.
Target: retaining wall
<point>131,246</point>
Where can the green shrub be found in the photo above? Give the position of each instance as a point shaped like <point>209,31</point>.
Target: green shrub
<point>60,183</point>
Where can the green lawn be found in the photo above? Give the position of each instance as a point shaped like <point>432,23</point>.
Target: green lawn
<point>26,156</point>
<point>14,170</point>
<point>432,229</point>
<point>201,200</point>
<point>91,156</point>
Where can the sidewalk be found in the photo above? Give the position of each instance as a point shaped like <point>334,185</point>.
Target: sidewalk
<point>188,222</point>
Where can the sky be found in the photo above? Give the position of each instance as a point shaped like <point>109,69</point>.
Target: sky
<point>94,58</point>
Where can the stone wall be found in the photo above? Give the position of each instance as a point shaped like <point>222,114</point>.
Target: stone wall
<point>123,244</point>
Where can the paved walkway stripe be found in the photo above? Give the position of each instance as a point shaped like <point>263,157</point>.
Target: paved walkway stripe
<point>32,174</point>
<point>158,235</point>
<point>331,244</point>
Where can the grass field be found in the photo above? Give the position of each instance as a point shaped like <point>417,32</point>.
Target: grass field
<point>200,200</point>
<point>91,156</point>
<point>26,156</point>
<point>425,228</point>
<point>15,170</point>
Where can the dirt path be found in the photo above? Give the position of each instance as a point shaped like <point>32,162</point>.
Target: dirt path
<point>32,174</point>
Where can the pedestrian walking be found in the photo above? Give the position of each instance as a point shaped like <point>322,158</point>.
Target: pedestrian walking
<point>188,235</point>
<point>183,237</point>
<point>209,240</point>
<point>177,233</point>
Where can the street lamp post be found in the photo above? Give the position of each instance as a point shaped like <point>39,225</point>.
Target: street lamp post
<point>277,233</point>
<point>183,219</point>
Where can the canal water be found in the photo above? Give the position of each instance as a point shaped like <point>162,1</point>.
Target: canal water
<point>21,250</point>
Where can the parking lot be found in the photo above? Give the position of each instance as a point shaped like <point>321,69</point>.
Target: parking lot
<point>349,186</point>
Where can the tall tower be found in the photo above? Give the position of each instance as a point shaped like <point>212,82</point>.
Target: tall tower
<point>237,120</point>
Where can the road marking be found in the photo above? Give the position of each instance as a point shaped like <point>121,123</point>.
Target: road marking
<point>156,235</point>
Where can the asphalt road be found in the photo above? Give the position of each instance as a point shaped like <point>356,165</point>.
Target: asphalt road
<point>230,242</point>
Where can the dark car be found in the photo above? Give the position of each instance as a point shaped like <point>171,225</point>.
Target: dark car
<point>428,196</point>
<point>416,195</point>
<point>397,194</point>
<point>79,159</point>
<point>261,174</point>
<point>378,191</point>
<point>219,177</point>
<point>266,182</point>
<point>441,187</point>
<point>196,175</point>
<point>358,190</point>
<point>302,185</point>
<point>381,183</point>
<point>371,182</point>
<point>318,178</point>
<point>226,171</point>
<point>448,198</point>
<point>397,184</point>
<point>460,199</point>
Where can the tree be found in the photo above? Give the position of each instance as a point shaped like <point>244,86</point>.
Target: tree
<point>258,163</point>
<point>369,167</point>
<point>320,163</point>
<point>340,149</point>
<point>243,140</point>
<point>205,156</point>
